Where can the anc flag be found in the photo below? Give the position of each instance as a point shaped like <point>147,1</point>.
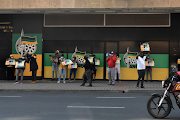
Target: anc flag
<point>28,40</point>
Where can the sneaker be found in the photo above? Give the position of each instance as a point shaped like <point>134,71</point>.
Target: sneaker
<point>142,86</point>
<point>58,81</point>
<point>82,85</point>
<point>64,81</point>
<point>89,85</point>
<point>137,86</point>
<point>16,82</point>
<point>109,84</point>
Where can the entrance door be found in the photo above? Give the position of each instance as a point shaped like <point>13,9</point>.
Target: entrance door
<point>110,46</point>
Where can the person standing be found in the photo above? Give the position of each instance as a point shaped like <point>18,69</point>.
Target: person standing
<point>33,67</point>
<point>93,66</point>
<point>10,69</point>
<point>149,70</point>
<point>88,72</point>
<point>111,68</point>
<point>55,64</point>
<point>20,70</point>
<point>73,70</point>
<point>62,69</point>
<point>141,67</point>
<point>118,70</point>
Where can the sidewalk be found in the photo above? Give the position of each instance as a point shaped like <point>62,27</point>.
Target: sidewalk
<point>74,86</point>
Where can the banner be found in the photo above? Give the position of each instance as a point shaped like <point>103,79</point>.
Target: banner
<point>118,61</point>
<point>149,63</point>
<point>97,61</point>
<point>67,62</point>
<point>10,62</point>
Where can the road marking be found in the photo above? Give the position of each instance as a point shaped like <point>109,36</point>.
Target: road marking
<point>116,97</point>
<point>10,96</point>
<point>95,107</point>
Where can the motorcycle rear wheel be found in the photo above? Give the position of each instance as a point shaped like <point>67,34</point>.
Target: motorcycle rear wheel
<point>158,112</point>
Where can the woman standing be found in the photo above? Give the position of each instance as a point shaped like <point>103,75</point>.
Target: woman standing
<point>62,69</point>
<point>74,69</point>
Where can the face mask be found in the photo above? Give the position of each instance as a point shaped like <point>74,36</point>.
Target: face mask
<point>11,57</point>
<point>62,57</point>
<point>23,57</point>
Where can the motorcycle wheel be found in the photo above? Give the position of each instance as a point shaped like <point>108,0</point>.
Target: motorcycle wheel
<point>158,112</point>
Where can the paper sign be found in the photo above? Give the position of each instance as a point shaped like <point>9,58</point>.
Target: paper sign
<point>90,59</point>
<point>117,61</point>
<point>178,61</point>
<point>74,65</point>
<point>10,62</point>
<point>145,47</point>
<point>149,63</point>
<point>20,64</point>
<point>97,62</point>
<point>67,62</point>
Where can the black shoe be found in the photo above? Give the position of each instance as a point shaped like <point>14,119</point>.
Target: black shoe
<point>142,86</point>
<point>82,85</point>
<point>89,85</point>
<point>113,84</point>
<point>109,84</point>
<point>52,80</point>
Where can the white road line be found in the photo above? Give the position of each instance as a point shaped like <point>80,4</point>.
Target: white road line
<point>95,107</point>
<point>116,97</point>
<point>10,96</point>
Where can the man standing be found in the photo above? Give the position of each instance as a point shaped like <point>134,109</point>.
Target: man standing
<point>111,68</point>
<point>141,67</point>
<point>149,70</point>
<point>33,67</point>
<point>88,72</point>
<point>55,64</point>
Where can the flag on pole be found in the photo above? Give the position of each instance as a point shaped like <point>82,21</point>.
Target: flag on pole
<point>28,40</point>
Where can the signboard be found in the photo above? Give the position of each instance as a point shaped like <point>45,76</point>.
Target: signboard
<point>67,62</point>
<point>10,62</point>
<point>74,65</point>
<point>149,63</point>
<point>145,47</point>
<point>20,64</point>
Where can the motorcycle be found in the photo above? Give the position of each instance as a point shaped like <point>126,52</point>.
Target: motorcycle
<point>160,104</point>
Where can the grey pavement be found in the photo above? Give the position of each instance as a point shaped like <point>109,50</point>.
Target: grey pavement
<point>46,85</point>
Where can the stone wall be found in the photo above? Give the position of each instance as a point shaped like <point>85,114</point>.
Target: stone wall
<point>35,4</point>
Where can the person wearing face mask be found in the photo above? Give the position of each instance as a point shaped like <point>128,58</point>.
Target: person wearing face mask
<point>93,66</point>
<point>55,64</point>
<point>10,69</point>
<point>62,69</point>
<point>149,70</point>
<point>88,72</point>
<point>73,70</point>
<point>21,69</point>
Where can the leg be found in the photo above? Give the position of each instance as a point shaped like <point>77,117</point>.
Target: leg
<point>60,73</point>
<point>116,72</point>
<point>17,75</point>
<point>89,75</point>
<point>109,75</point>
<point>22,71</point>
<point>8,73</point>
<point>119,73</point>
<point>146,74</point>
<point>71,71</point>
<point>75,74</point>
<point>113,74</point>
<point>35,72</point>
<point>53,67</point>
<point>56,69</point>
<point>32,75</point>
<point>143,74</point>
<point>84,79</point>
<point>64,72</point>
<point>139,77</point>
<point>150,72</point>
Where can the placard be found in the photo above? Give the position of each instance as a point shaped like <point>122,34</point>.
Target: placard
<point>74,65</point>
<point>10,62</point>
<point>90,59</point>
<point>145,47</point>
<point>118,61</point>
<point>178,61</point>
<point>67,62</point>
<point>149,63</point>
<point>53,58</point>
<point>97,61</point>
<point>20,64</point>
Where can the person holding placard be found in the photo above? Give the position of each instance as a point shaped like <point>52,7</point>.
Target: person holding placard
<point>141,67</point>
<point>10,67</point>
<point>148,70</point>
<point>55,64</point>
<point>20,66</point>
<point>73,68</point>
<point>111,60</point>
<point>62,69</point>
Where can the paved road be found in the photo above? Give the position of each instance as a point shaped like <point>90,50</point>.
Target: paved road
<point>77,106</point>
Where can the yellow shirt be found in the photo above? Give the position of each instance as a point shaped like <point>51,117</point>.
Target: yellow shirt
<point>60,65</point>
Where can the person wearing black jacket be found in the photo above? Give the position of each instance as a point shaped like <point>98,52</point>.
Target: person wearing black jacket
<point>93,66</point>
<point>33,67</point>
<point>88,72</point>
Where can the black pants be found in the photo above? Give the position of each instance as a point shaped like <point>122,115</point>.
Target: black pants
<point>10,73</point>
<point>34,75</point>
<point>87,76</point>
<point>141,74</point>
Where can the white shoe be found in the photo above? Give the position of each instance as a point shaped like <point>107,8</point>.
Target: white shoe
<point>64,81</point>
<point>16,82</point>
<point>58,82</point>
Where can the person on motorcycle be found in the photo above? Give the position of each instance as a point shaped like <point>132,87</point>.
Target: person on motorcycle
<point>141,67</point>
